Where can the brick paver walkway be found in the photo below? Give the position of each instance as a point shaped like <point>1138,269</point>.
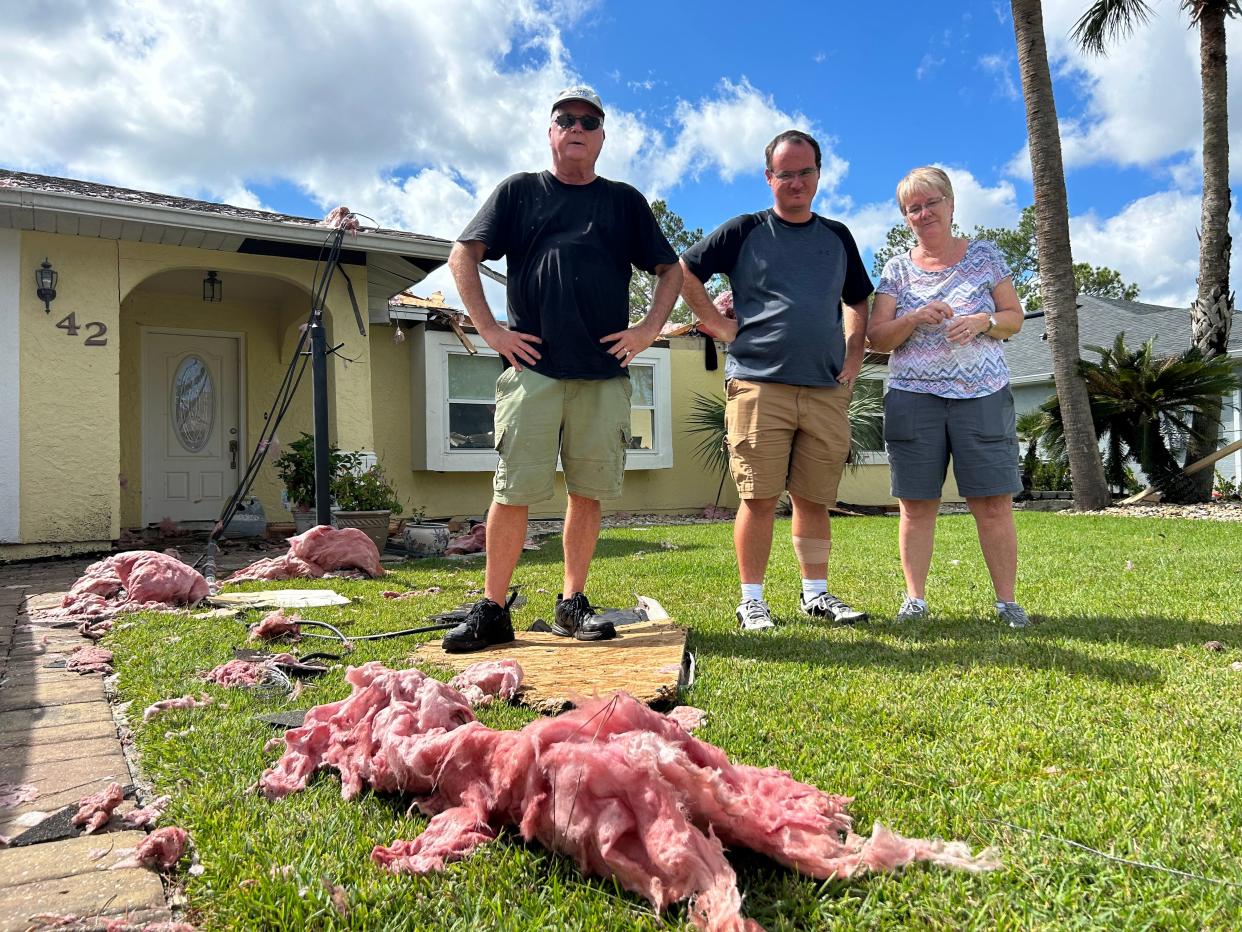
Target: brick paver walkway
<point>57,733</point>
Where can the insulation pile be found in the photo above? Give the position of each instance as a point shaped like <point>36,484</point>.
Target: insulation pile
<point>277,625</point>
<point>140,580</point>
<point>320,550</point>
<point>482,682</point>
<point>623,790</point>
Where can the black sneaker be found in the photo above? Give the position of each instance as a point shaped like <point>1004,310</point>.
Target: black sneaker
<point>486,624</point>
<point>575,618</point>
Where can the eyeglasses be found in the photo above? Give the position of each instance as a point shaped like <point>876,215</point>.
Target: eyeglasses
<point>915,210</point>
<point>589,122</point>
<point>786,177</point>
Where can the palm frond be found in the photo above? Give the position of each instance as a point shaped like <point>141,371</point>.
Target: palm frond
<point>1107,21</point>
<point>707,418</point>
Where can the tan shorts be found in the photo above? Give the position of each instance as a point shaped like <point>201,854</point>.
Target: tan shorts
<point>586,422</point>
<point>787,437</point>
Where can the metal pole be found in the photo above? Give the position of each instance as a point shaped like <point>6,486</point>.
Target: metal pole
<point>319,395</point>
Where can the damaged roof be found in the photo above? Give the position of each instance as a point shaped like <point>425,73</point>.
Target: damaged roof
<point>395,259</point>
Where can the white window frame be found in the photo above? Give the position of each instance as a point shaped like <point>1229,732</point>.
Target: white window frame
<point>432,354</point>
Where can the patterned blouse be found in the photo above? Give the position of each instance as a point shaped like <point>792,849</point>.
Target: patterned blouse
<point>927,362</point>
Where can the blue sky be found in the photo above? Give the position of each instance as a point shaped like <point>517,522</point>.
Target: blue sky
<point>412,111</point>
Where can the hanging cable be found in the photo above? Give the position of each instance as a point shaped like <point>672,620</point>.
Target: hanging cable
<point>320,284</point>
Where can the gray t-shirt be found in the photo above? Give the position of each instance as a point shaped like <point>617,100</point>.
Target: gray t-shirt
<point>788,281</point>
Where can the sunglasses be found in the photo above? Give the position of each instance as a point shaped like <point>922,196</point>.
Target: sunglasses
<point>567,121</point>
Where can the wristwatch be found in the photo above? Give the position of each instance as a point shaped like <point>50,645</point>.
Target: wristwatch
<point>991,324</point>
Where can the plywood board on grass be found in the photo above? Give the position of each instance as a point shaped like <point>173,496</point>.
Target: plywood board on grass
<point>644,660</point>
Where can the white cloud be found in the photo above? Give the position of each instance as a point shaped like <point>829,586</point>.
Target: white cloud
<point>927,64</point>
<point>726,135</point>
<point>1001,68</point>
<point>1152,242</point>
<point>1141,101</point>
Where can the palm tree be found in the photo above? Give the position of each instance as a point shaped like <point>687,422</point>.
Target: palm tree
<point>1212,312</point>
<point>1031,426</point>
<point>1143,406</point>
<point>1056,264</point>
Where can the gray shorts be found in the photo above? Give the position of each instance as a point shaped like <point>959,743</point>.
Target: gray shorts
<point>921,433</point>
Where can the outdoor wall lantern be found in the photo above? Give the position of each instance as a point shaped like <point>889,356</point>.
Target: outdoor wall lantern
<point>213,288</point>
<point>45,280</point>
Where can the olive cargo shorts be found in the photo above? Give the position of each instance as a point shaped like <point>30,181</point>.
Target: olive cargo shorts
<point>585,421</point>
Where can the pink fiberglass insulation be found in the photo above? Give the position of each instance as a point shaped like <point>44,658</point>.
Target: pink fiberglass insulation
<point>687,716</point>
<point>320,550</point>
<point>474,541</point>
<point>165,705</point>
<point>139,580</point>
<point>482,682</point>
<point>162,849</point>
<point>623,790</point>
<point>245,673</point>
<point>90,659</point>
<point>15,794</point>
<point>276,625</point>
<point>148,815</point>
<point>95,810</point>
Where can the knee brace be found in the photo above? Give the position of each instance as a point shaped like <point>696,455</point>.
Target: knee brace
<point>811,551</point>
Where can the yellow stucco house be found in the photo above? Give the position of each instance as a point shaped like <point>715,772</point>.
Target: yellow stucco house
<point>129,398</point>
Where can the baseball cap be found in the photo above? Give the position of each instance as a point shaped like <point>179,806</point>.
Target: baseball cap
<point>581,92</point>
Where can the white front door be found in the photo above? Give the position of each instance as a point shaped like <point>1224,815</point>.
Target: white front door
<point>190,424</point>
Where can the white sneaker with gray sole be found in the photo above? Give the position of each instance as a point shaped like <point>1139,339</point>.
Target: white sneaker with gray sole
<point>913,609</point>
<point>754,615</point>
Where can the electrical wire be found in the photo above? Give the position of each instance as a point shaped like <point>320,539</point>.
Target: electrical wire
<point>320,284</point>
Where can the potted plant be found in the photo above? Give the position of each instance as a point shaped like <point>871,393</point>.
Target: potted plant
<point>365,499</point>
<point>424,538</point>
<point>296,468</point>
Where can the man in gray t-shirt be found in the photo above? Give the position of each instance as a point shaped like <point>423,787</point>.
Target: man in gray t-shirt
<point>793,359</point>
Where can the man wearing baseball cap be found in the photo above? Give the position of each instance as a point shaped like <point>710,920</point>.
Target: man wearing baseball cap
<point>572,239</point>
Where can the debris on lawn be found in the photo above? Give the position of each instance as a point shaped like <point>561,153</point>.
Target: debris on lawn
<point>148,815</point>
<point>135,581</point>
<point>163,848</point>
<point>90,659</point>
<point>245,673</point>
<point>13,795</point>
<point>482,682</point>
<point>320,550</point>
<point>95,810</point>
<point>622,789</point>
<point>688,717</point>
<point>411,593</point>
<point>278,598</point>
<point>181,702</point>
<point>276,625</point>
<point>1236,666</point>
<point>1214,646</point>
<point>473,541</point>
<point>159,851</point>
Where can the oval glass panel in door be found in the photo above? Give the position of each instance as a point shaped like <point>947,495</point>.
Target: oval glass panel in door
<point>193,403</point>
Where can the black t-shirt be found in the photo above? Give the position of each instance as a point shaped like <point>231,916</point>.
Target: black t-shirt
<point>570,249</point>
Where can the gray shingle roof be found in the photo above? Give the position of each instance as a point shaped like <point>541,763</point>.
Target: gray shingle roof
<point>1099,322</point>
<point>105,192</point>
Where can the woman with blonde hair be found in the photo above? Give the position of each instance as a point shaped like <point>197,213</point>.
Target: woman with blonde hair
<point>941,311</point>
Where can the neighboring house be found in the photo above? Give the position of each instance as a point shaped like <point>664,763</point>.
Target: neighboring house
<point>130,398</point>
<point>1099,322</point>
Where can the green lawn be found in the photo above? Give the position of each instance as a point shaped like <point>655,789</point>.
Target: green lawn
<point>1108,723</point>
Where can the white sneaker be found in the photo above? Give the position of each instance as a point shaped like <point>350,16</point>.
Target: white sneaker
<point>913,609</point>
<point>754,615</point>
<point>827,605</point>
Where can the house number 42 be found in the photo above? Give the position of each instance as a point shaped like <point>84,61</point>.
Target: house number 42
<point>99,336</point>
